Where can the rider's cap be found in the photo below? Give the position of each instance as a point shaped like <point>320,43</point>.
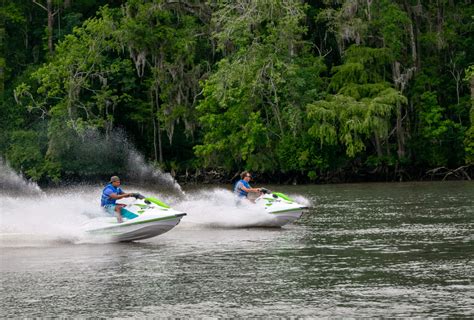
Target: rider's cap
<point>114,178</point>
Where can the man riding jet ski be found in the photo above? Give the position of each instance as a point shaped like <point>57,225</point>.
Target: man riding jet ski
<point>277,208</point>
<point>111,193</point>
<point>242,187</point>
<point>143,218</point>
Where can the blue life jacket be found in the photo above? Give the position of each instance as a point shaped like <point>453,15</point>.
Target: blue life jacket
<point>108,190</point>
<point>238,188</point>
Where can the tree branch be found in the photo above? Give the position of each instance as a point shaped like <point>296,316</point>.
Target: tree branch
<point>39,4</point>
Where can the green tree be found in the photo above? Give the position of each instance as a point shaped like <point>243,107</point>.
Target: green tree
<point>254,100</point>
<point>304,89</point>
<point>81,87</point>
<point>469,139</point>
<point>162,42</point>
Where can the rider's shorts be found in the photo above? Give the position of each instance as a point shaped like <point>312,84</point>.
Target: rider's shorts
<point>110,208</point>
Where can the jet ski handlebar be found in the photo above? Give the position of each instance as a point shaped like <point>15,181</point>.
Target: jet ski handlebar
<point>265,191</point>
<point>141,197</point>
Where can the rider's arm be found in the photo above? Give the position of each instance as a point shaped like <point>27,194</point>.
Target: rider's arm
<point>120,196</point>
<point>250,189</point>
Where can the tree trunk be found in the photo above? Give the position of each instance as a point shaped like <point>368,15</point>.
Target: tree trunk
<point>400,134</point>
<point>158,62</point>
<point>472,89</point>
<point>51,14</point>
<point>400,83</point>
<point>157,129</point>
<point>159,143</point>
<point>153,116</point>
<point>413,44</point>
<point>378,147</point>
<point>412,27</point>
<point>49,5</point>
<point>369,16</point>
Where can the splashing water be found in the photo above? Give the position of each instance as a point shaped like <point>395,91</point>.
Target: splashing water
<point>115,153</point>
<point>140,171</point>
<point>59,215</point>
<point>218,208</point>
<point>54,216</point>
<point>46,218</point>
<point>13,183</point>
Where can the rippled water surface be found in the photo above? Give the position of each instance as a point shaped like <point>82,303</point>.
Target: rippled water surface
<point>394,250</point>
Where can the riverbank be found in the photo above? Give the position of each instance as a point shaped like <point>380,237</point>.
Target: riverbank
<point>218,176</point>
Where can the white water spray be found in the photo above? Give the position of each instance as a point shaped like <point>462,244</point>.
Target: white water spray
<point>219,208</point>
<point>14,183</point>
<point>99,152</point>
<point>59,215</point>
<point>141,172</point>
<point>46,218</point>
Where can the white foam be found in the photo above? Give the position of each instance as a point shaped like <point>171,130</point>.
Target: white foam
<point>12,182</point>
<point>142,172</point>
<point>56,216</point>
<point>302,200</point>
<point>218,208</point>
<point>60,215</point>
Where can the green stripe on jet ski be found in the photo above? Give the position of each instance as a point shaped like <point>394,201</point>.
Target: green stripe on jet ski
<point>288,210</point>
<point>283,196</point>
<point>158,202</point>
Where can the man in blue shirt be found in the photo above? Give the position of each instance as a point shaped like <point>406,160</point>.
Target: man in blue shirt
<point>242,187</point>
<point>110,195</point>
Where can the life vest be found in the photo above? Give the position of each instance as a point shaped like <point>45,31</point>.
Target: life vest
<point>238,188</point>
<point>108,190</point>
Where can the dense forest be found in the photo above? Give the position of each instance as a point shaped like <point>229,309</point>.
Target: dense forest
<point>295,91</point>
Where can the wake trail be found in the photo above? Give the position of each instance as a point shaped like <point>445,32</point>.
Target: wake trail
<point>219,208</point>
<point>58,215</point>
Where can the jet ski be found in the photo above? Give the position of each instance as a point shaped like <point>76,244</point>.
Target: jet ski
<point>279,208</point>
<point>143,218</point>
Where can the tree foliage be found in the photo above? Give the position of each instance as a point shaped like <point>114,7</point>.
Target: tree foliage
<point>305,89</point>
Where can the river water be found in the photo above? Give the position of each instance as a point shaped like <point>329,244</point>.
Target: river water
<point>363,250</point>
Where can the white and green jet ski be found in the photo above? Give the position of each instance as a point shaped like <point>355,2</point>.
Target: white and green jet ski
<point>142,219</point>
<point>279,208</point>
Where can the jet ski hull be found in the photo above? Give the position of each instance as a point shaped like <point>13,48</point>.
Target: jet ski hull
<point>279,219</point>
<point>138,230</point>
<point>142,219</point>
<point>279,210</point>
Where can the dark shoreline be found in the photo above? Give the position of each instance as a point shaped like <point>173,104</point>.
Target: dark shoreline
<point>439,174</point>
<point>215,176</point>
